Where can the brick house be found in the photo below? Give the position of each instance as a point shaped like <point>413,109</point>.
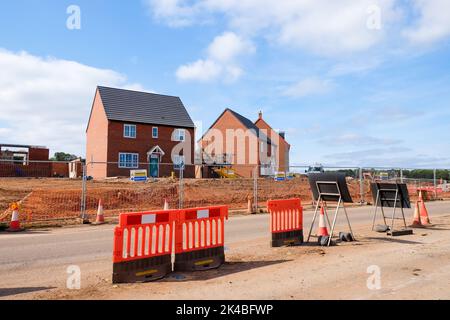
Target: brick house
<point>24,161</point>
<point>129,130</point>
<point>235,141</point>
<point>284,147</point>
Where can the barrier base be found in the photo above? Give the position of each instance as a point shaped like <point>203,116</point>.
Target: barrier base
<point>143,270</point>
<point>396,233</point>
<point>291,238</point>
<point>15,229</point>
<point>200,259</point>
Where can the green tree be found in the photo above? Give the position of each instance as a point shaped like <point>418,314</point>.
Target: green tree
<point>62,156</point>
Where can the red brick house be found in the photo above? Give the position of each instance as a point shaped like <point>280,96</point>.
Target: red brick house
<point>129,130</point>
<point>235,141</point>
<point>24,161</point>
<point>284,147</point>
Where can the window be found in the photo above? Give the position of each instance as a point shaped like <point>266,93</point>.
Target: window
<point>180,135</point>
<point>129,131</point>
<point>129,160</point>
<point>155,132</point>
<point>177,159</point>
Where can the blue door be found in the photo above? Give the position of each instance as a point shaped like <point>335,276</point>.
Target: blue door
<point>154,166</point>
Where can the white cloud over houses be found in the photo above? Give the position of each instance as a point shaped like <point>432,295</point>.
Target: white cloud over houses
<point>433,23</point>
<point>46,101</point>
<point>221,62</point>
<point>330,29</point>
<point>321,26</point>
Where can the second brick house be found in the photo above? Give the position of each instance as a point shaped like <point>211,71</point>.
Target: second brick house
<point>130,130</point>
<point>237,142</point>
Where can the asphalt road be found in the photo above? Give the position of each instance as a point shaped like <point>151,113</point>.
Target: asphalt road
<point>37,260</point>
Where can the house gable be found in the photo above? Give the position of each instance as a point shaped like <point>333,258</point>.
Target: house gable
<point>262,124</point>
<point>97,138</point>
<point>284,147</point>
<point>238,121</point>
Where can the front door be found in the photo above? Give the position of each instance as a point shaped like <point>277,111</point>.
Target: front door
<point>154,166</point>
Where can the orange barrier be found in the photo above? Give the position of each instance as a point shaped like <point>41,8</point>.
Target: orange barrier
<point>286,218</point>
<point>199,238</point>
<point>143,246</point>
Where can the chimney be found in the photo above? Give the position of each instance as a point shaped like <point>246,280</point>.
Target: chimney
<point>260,115</point>
<point>283,134</point>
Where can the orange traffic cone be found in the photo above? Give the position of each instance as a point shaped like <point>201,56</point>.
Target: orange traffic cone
<point>15,222</point>
<point>417,223</point>
<point>166,205</point>
<point>323,231</point>
<point>250,205</point>
<point>424,218</point>
<point>100,217</point>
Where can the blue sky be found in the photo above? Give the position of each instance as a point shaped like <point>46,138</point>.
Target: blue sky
<point>352,83</point>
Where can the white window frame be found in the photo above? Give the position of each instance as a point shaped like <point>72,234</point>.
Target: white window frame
<point>153,132</point>
<point>180,133</point>
<point>129,136</point>
<point>132,164</point>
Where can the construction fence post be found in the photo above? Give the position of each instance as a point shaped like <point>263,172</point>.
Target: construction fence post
<point>361,185</point>
<point>181,191</point>
<point>255,189</point>
<point>435,183</point>
<point>83,195</point>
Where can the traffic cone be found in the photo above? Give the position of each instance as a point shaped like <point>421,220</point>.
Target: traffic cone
<point>323,231</point>
<point>424,218</point>
<point>417,223</point>
<point>166,205</point>
<point>15,222</point>
<point>250,205</point>
<point>100,217</point>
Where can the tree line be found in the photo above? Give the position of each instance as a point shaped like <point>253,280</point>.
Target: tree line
<point>409,174</point>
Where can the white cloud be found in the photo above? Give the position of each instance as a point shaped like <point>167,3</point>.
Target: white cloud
<point>174,12</point>
<point>354,67</point>
<point>433,23</point>
<point>228,46</point>
<point>46,101</point>
<point>201,70</point>
<point>321,26</point>
<point>306,87</point>
<point>222,60</point>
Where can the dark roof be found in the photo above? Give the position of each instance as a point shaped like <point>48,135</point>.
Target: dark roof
<point>142,107</point>
<point>246,122</point>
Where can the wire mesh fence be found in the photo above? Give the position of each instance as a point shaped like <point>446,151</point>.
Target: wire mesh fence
<point>244,188</point>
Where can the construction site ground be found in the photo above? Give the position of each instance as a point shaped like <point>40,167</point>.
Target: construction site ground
<point>34,264</point>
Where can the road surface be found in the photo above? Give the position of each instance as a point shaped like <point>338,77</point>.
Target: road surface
<point>34,264</point>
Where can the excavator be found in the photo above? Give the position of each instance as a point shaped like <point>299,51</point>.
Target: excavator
<point>227,173</point>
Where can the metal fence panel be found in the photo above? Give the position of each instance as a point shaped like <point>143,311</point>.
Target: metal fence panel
<point>46,199</point>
